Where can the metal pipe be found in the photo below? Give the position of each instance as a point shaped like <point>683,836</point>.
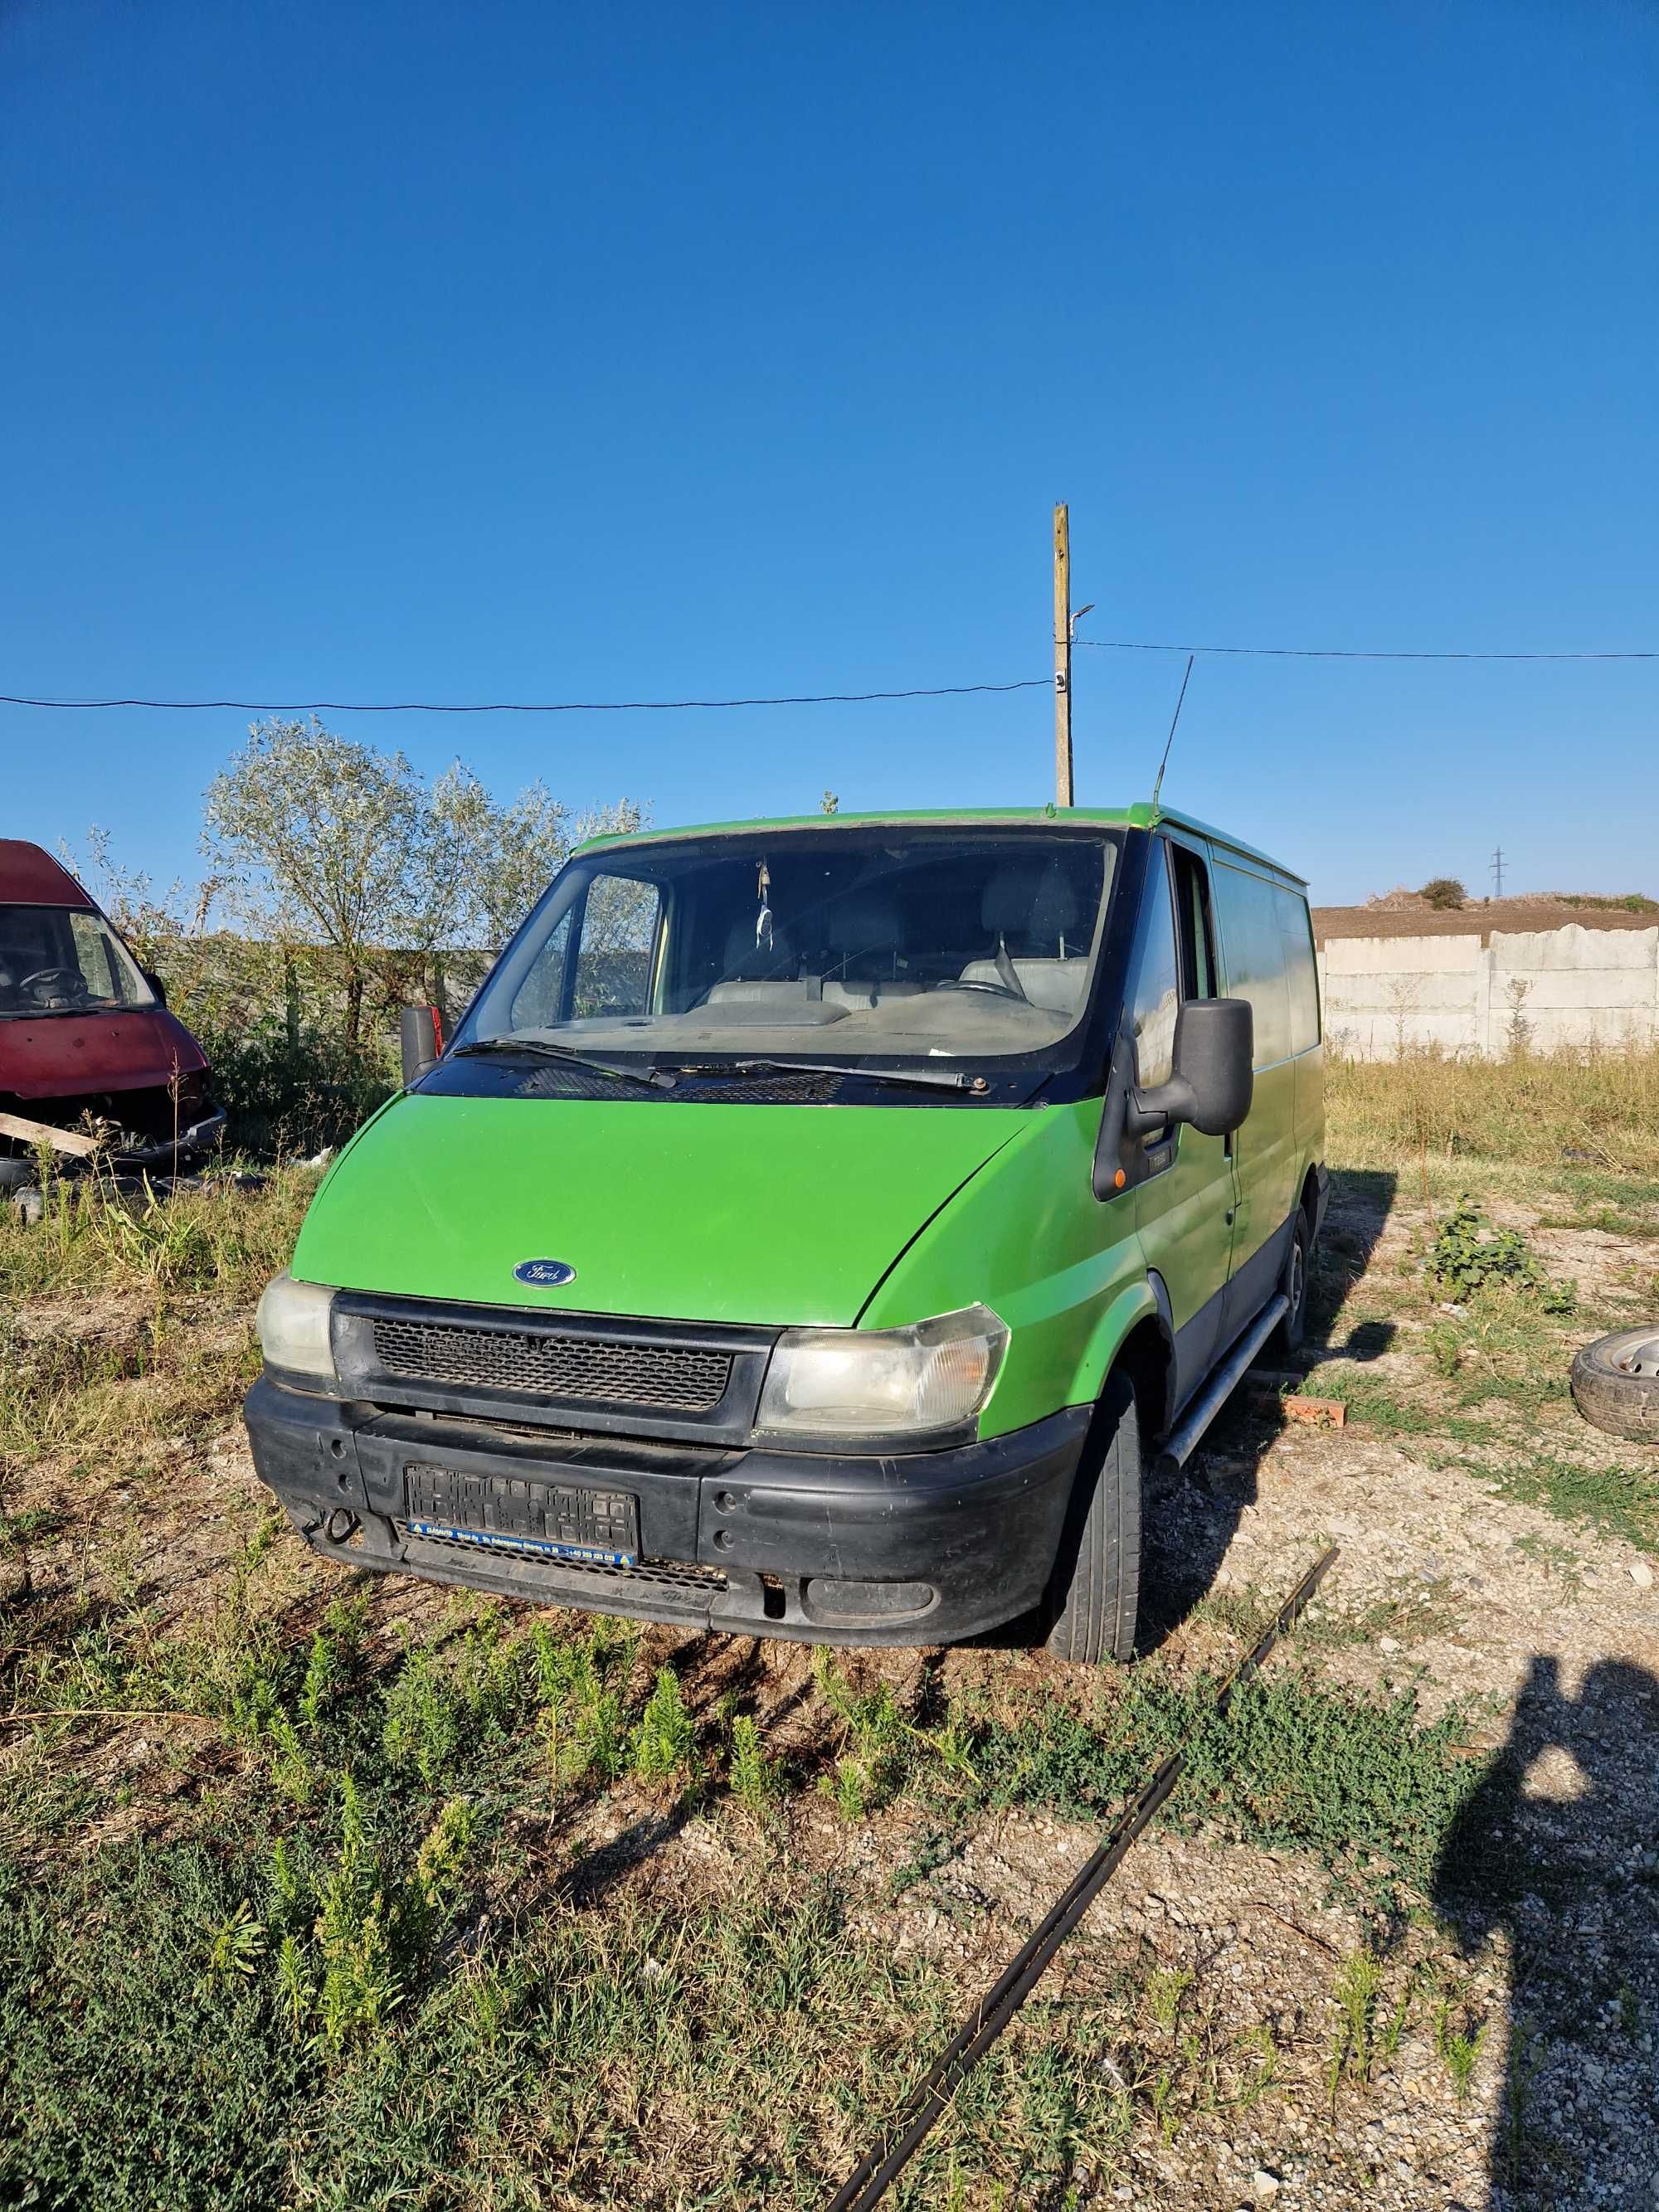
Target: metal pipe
<point>1182,1439</point>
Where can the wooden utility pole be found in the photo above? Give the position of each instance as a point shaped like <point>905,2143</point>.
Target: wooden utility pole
<point>1062,657</point>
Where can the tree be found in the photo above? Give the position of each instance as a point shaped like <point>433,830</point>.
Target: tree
<point>1443,893</point>
<point>318,835</point>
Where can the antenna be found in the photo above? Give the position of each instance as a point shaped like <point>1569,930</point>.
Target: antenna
<point>1169,740</point>
<point>1497,872</point>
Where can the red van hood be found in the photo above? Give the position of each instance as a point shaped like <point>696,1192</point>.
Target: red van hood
<point>73,1055</point>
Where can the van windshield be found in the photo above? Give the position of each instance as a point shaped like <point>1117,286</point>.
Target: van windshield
<point>905,943</point>
<point>64,960</point>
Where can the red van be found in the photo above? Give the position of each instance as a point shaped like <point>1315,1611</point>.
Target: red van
<point>83,1029</point>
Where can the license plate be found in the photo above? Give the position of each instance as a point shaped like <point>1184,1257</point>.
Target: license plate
<point>509,1513</point>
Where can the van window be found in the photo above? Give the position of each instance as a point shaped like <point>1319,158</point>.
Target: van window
<point>1295,929</point>
<point>1253,948</point>
<point>1157,995</point>
<point>1197,931</point>
<point>64,960</point>
<point>943,941</point>
<point>539,1000</point>
<point>619,929</point>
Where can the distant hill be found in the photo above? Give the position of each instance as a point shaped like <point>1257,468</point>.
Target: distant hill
<point>1403,913</point>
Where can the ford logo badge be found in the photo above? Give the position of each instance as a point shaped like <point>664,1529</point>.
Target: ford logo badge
<point>545,1274</point>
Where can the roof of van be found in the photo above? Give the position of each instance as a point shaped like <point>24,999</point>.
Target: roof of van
<point>30,877</point>
<point>1142,816</point>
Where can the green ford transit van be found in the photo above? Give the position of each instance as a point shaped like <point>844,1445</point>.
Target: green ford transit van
<point>815,1228</point>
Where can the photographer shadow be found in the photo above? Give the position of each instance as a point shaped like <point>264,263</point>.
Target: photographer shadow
<point>1568,1871</point>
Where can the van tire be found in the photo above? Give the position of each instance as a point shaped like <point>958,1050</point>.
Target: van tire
<point>1287,1338</point>
<point>1094,1591</point>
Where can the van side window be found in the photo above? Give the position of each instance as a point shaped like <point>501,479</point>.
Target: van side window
<point>538,1002</point>
<point>1197,931</point>
<point>1296,928</point>
<point>1253,949</point>
<point>1157,992</point>
<point>619,933</point>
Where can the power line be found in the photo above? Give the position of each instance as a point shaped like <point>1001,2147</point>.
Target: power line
<point>1341,652</point>
<point>787,699</point>
<point>517,706</point>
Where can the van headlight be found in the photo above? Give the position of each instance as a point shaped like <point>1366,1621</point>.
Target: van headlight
<point>293,1325</point>
<point>882,1381</point>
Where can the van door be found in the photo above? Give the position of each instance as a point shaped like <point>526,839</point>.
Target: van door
<point>1184,1195</point>
<point>1265,1149</point>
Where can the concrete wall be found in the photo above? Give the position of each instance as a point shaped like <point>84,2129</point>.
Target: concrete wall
<point>1568,986</point>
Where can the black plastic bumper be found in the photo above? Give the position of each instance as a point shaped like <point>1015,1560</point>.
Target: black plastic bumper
<point>924,1547</point>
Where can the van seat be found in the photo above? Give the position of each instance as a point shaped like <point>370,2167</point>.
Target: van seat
<point>1056,986</point>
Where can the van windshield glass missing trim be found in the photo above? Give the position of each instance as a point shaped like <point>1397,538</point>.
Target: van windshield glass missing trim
<point>900,942</point>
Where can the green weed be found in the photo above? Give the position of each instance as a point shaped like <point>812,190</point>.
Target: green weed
<point>1165,1988</point>
<point>1467,1256</point>
<point>1352,2055</point>
<point>1458,2048</point>
<point>665,1743</point>
<point>757,1779</point>
<point>875,1739</point>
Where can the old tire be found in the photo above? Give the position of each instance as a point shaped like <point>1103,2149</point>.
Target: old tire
<point>1094,1591</point>
<point>1616,1383</point>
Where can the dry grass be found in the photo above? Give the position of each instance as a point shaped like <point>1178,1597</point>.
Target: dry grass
<point>1595,1110</point>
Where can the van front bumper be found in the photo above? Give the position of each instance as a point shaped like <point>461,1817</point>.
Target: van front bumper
<point>912,1548</point>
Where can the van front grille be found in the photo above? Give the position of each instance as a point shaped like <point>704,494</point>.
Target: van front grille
<point>590,1371</point>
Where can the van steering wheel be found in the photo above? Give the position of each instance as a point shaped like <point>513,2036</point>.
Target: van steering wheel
<point>69,981</point>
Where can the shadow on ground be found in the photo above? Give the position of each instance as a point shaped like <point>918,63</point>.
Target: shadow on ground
<point>1558,1850</point>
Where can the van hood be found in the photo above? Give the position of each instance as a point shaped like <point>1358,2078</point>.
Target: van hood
<point>77,1056</point>
<point>778,1216</point>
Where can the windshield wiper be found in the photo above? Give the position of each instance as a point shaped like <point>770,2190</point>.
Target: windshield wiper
<point>654,1079</point>
<point>924,1078</point>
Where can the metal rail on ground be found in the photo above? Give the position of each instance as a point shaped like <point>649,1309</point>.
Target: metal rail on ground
<point>881,2165</point>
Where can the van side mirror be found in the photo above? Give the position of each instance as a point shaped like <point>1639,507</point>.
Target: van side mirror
<point>417,1036</point>
<point>157,986</point>
<point>1214,1077</point>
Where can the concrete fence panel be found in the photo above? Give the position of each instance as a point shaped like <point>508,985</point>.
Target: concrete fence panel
<point>1544,989</point>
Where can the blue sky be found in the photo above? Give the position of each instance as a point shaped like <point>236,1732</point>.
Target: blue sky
<point>425,351</point>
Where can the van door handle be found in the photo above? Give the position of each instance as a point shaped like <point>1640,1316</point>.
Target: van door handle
<point>1229,1217</point>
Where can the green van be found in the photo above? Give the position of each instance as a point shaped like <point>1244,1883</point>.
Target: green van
<point>814,1228</point>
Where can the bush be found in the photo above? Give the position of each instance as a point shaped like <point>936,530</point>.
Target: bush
<point>1443,893</point>
<point>284,1095</point>
<point>1465,1258</point>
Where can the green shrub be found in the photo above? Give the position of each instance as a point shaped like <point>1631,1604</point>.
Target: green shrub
<point>284,1095</point>
<point>1464,1259</point>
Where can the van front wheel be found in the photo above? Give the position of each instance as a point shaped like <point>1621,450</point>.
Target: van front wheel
<point>1094,1591</point>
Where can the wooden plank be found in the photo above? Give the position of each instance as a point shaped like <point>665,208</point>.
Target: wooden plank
<point>37,1132</point>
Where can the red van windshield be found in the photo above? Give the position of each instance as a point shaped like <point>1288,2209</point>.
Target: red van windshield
<point>64,960</point>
